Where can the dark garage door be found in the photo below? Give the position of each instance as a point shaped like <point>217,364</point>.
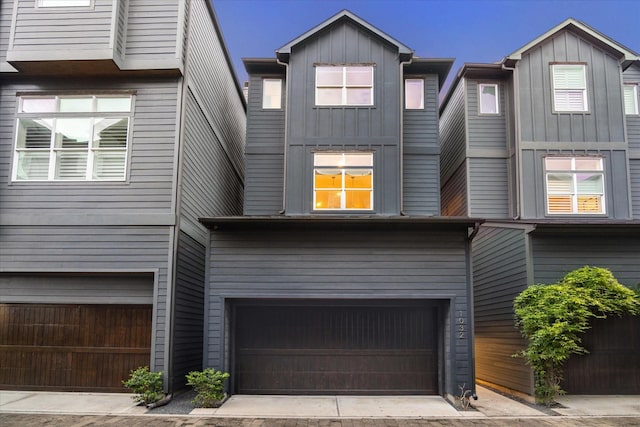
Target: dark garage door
<point>387,348</point>
<point>72,347</point>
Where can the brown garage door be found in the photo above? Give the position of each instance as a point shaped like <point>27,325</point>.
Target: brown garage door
<point>72,347</point>
<point>390,348</point>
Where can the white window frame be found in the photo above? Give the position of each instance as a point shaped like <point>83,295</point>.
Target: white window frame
<point>343,86</point>
<point>52,116</point>
<point>496,102</point>
<point>344,167</point>
<point>574,193</point>
<point>568,88</point>
<point>271,101</point>
<point>409,88</point>
<point>631,99</point>
<point>64,3</point>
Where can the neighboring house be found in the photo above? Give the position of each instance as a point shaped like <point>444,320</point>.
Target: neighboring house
<point>546,146</point>
<point>340,277</point>
<point>121,123</point>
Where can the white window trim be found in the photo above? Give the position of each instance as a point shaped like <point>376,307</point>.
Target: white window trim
<point>343,198</point>
<point>91,151</point>
<point>634,95</point>
<point>344,86</point>
<point>497,100</point>
<point>574,191</point>
<point>585,95</point>
<point>406,86</point>
<point>265,105</point>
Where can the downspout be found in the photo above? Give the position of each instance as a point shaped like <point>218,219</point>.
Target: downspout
<point>286,135</point>
<point>516,137</point>
<point>472,348</point>
<point>401,160</point>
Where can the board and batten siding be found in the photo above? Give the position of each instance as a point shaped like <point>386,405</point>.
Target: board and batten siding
<point>499,275</point>
<point>340,263</point>
<point>264,151</point>
<point>538,122</point>
<point>144,198</point>
<point>421,148</point>
<point>75,249</point>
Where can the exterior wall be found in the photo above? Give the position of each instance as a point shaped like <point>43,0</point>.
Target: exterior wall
<point>315,263</point>
<point>6,15</point>
<point>264,152</point>
<point>453,145</point>
<point>632,75</point>
<point>343,128</point>
<point>488,187</point>
<point>421,166</point>
<point>500,274</point>
<point>454,193</point>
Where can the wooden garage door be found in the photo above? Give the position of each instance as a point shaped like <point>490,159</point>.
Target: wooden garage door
<point>72,347</point>
<point>383,349</point>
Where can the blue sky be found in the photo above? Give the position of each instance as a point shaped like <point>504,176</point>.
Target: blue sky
<point>467,30</point>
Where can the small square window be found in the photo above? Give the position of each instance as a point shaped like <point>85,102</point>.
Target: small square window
<point>271,93</point>
<point>414,94</point>
<point>488,94</point>
<point>631,99</point>
<point>569,88</point>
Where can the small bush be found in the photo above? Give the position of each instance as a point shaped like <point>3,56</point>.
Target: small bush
<point>208,385</point>
<point>146,385</point>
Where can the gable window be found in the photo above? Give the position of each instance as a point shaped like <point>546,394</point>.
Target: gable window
<point>569,87</point>
<point>575,185</point>
<point>343,181</point>
<point>63,3</point>
<point>631,99</point>
<point>271,93</point>
<point>344,85</point>
<point>488,94</point>
<point>414,94</point>
<point>72,138</point>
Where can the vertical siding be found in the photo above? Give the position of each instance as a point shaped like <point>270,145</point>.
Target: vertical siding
<point>421,171</point>
<point>454,193</point>
<point>604,122</point>
<point>152,29</point>
<point>453,141</point>
<point>499,275</point>
<point>188,309</point>
<point>264,152</point>
<point>488,187</point>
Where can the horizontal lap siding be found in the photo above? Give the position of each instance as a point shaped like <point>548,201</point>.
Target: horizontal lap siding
<point>488,187</point>
<point>634,171</point>
<point>486,130</point>
<point>499,275</point>
<point>6,15</point>
<point>453,137</point>
<point>152,29</point>
<point>454,193</point>
<point>81,28</point>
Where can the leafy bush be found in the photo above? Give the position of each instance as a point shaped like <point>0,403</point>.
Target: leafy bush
<point>147,385</point>
<point>208,385</point>
<point>553,318</point>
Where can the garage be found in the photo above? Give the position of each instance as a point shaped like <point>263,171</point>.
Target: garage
<point>336,347</point>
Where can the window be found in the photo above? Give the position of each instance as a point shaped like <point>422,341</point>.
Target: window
<point>72,138</point>
<point>343,181</point>
<point>488,98</point>
<point>569,87</point>
<point>631,99</point>
<point>414,94</point>
<point>575,185</point>
<point>63,3</point>
<point>349,85</point>
<point>271,93</point>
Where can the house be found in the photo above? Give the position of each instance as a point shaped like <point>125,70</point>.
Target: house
<point>341,277</point>
<point>546,146</point>
<point>121,123</point>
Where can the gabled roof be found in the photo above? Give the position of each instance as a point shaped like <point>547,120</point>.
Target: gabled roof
<point>627,55</point>
<point>284,52</point>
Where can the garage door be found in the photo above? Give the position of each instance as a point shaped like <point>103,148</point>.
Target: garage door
<point>76,347</point>
<point>386,348</point>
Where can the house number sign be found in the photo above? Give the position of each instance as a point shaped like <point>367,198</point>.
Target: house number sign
<point>460,325</point>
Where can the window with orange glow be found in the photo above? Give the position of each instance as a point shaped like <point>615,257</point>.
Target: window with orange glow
<point>575,185</point>
<point>343,181</point>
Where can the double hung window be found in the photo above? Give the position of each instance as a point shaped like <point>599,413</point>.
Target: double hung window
<point>343,181</point>
<point>575,185</point>
<point>72,138</point>
<point>344,85</point>
<point>569,87</point>
<point>631,99</point>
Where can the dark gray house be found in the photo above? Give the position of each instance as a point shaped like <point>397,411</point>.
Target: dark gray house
<point>341,277</point>
<point>121,123</point>
<point>546,145</point>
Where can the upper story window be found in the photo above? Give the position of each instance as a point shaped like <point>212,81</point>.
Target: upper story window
<point>63,3</point>
<point>343,181</point>
<point>569,87</point>
<point>344,85</point>
<point>631,99</point>
<point>414,94</point>
<point>575,185</point>
<point>271,93</point>
<point>488,97</point>
<point>72,138</point>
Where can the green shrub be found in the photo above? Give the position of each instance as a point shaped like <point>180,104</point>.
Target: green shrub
<point>554,317</point>
<point>208,385</point>
<point>145,384</point>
